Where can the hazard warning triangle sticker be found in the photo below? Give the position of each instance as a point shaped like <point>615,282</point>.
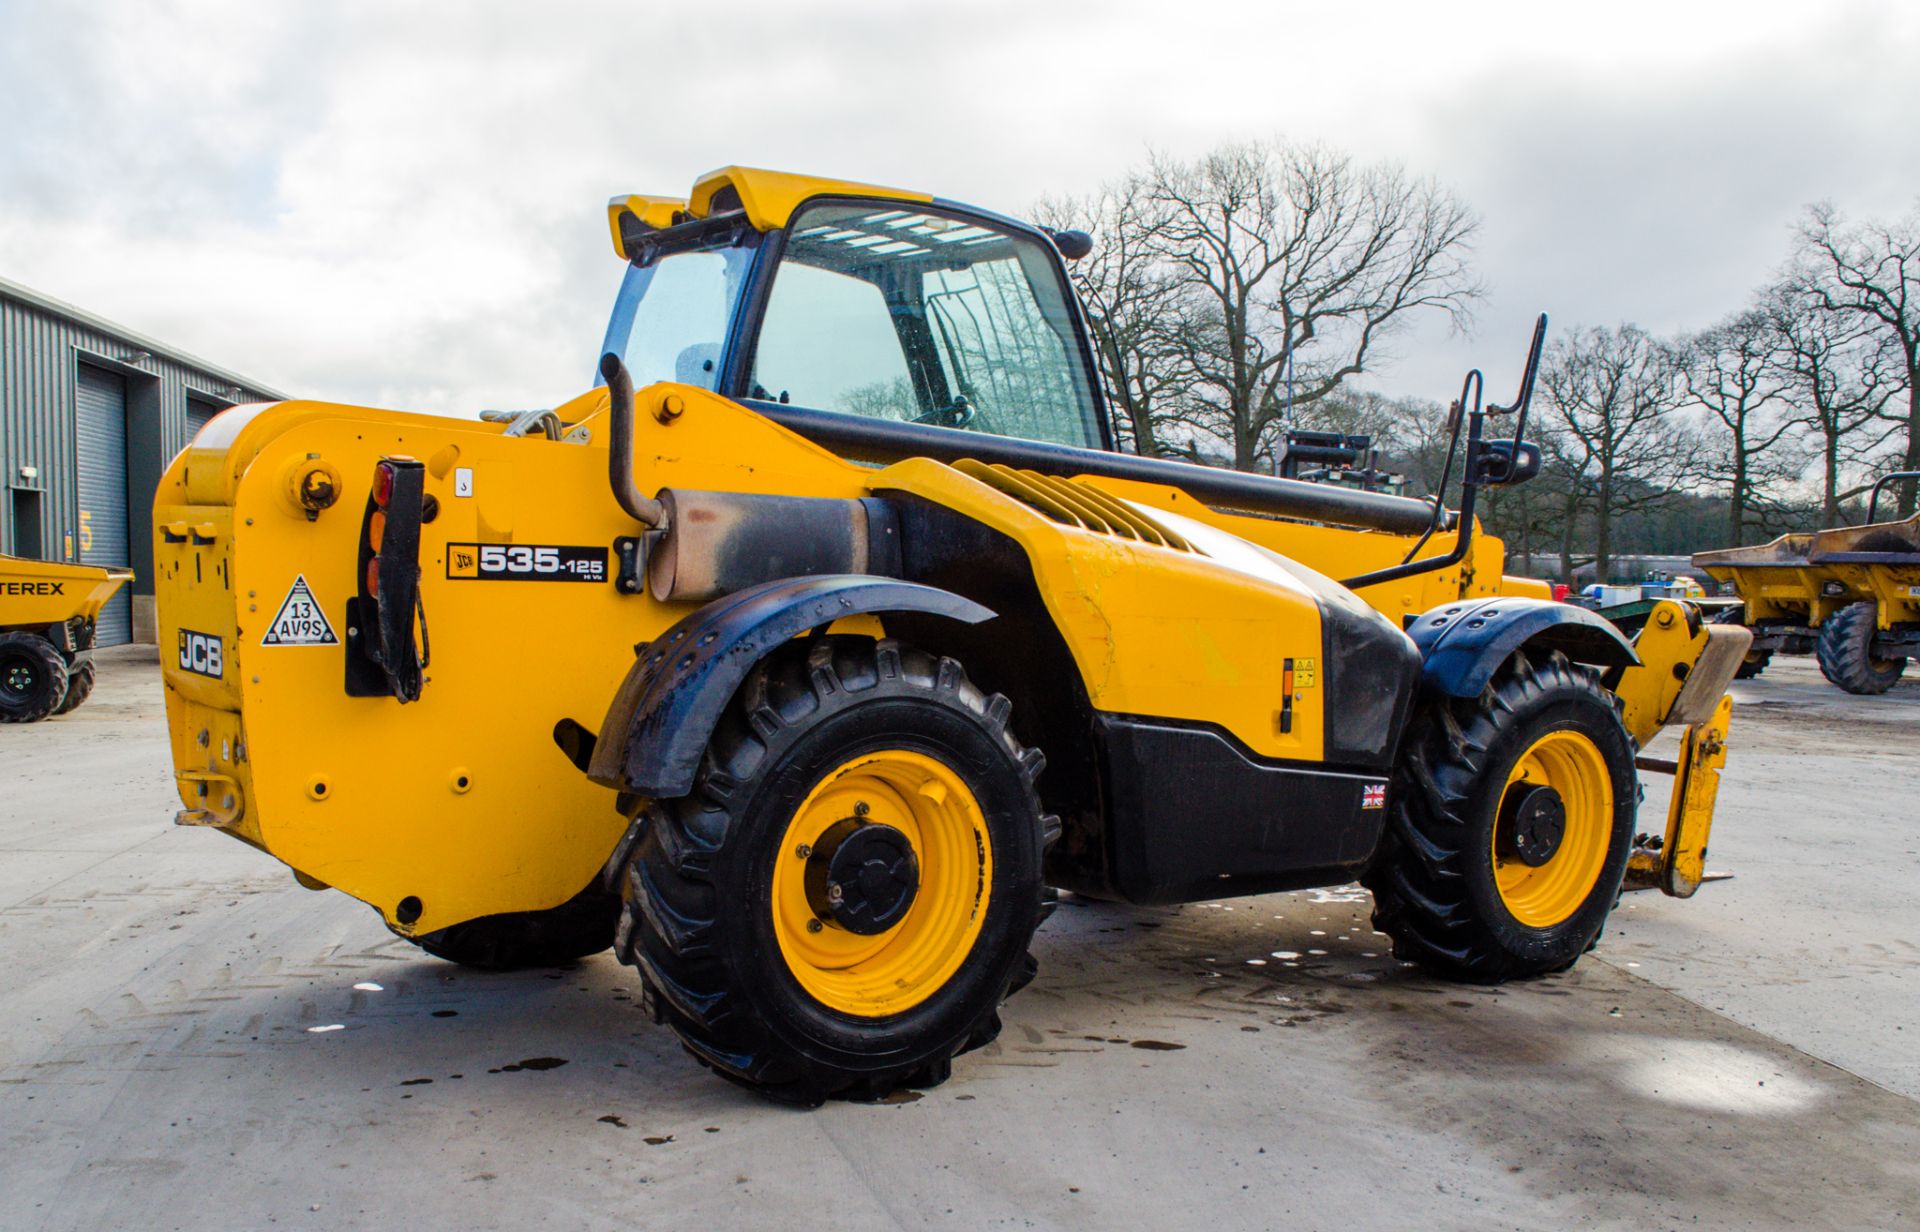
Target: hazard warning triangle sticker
<point>300,622</point>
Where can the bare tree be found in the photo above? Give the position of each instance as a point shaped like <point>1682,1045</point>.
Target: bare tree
<point>1730,372</point>
<point>1870,271</point>
<point>1842,373</point>
<point>1133,306</point>
<point>1284,252</point>
<point>1609,399</point>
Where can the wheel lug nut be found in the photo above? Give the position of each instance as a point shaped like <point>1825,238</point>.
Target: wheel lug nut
<point>814,925</point>
<point>802,851</point>
<point>835,895</point>
<point>860,809</point>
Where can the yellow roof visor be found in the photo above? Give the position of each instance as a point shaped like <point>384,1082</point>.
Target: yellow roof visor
<point>769,199</point>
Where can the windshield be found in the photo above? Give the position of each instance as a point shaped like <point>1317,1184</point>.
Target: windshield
<point>912,315</point>
<point>670,319</point>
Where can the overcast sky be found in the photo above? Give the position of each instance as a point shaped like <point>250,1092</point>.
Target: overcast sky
<point>404,204</point>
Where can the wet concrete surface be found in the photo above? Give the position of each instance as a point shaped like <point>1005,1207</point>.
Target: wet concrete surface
<point>189,1040</point>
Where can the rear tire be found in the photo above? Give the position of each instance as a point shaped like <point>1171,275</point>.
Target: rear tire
<point>773,988</point>
<point>580,927</point>
<point>79,687</point>
<point>1451,884</point>
<point>1845,651</point>
<point>33,678</point>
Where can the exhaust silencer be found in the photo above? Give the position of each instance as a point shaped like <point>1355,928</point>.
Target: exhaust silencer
<point>721,542</point>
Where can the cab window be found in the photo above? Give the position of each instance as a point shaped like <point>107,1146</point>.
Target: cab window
<point>913,316</point>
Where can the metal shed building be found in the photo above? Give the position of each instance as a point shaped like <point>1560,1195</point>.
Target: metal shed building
<point>90,415</point>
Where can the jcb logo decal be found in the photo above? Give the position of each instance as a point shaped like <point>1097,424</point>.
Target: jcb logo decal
<point>200,654</point>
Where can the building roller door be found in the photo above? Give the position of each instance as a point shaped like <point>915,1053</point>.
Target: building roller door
<point>198,413</point>
<point>100,405</point>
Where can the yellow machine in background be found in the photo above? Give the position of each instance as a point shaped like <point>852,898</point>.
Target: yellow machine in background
<point>806,654</point>
<point>47,617</point>
<point>1849,594</point>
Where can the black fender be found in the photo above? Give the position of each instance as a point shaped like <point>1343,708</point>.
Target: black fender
<point>660,720</point>
<point>1463,644</point>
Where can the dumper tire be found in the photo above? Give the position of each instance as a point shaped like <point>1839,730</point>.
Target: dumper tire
<point>1756,660</point>
<point>33,678</point>
<point>578,928</point>
<point>1441,888</point>
<point>763,987</point>
<point>80,679</point>
<point>1845,652</point>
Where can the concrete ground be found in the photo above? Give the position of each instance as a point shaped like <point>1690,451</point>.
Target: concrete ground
<point>1737,1061</point>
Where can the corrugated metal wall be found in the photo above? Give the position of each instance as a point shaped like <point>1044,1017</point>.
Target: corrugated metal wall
<point>43,346</point>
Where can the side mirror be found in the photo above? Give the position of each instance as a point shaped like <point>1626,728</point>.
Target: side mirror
<point>1072,244</point>
<point>1504,463</point>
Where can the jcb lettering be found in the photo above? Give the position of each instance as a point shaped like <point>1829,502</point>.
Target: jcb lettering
<point>200,654</point>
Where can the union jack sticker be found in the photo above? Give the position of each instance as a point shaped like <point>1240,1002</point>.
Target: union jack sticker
<point>1373,796</point>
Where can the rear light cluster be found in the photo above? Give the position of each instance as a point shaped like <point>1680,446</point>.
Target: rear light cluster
<point>387,619</point>
<point>383,478</point>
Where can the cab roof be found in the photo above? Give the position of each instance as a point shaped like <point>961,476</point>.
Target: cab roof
<point>768,198</point>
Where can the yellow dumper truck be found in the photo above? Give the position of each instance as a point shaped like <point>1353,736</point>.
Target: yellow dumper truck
<point>48,612</point>
<point>807,655</point>
<point>1850,594</point>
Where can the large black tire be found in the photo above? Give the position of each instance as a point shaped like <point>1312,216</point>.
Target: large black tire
<point>33,678</point>
<point>699,879</point>
<point>1435,881</point>
<point>1845,651</point>
<point>79,686</point>
<point>577,928</point>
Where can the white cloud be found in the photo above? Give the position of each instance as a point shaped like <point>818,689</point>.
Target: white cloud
<point>401,204</point>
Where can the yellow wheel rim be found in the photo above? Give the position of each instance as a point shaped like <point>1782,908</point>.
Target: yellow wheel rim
<point>892,971</point>
<point>1548,894</point>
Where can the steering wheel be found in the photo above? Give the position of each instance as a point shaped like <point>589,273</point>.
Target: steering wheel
<point>958,414</point>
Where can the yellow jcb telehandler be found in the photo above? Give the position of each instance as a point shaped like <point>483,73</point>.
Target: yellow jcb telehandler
<point>806,655</point>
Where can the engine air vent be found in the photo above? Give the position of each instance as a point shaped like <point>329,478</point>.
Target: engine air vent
<point>1074,503</point>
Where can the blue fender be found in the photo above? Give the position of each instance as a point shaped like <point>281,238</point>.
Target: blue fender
<point>1463,644</point>
<point>665,711</point>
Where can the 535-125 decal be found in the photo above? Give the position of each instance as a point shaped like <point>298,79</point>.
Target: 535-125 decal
<point>525,562</point>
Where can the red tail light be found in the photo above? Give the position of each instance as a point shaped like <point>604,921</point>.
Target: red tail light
<point>373,576</point>
<point>382,484</point>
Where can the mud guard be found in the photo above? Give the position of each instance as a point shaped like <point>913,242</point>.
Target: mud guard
<point>660,720</point>
<point>1463,644</point>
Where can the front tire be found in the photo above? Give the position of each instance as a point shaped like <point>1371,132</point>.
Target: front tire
<point>1845,652</point>
<point>80,680</point>
<point>33,678</point>
<point>1511,824</point>
<point>846,897</point>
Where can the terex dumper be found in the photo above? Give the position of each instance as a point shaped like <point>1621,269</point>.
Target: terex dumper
<point>1849,594</point>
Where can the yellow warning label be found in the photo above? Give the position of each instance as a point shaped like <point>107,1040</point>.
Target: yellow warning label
<point>1305,673</point>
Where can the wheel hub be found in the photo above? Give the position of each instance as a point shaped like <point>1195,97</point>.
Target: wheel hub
<point>862,875</point>
<point>19,678</point>
<point>1533,820</point>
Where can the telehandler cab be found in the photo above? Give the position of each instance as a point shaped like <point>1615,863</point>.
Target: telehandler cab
<point>875,640</point>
